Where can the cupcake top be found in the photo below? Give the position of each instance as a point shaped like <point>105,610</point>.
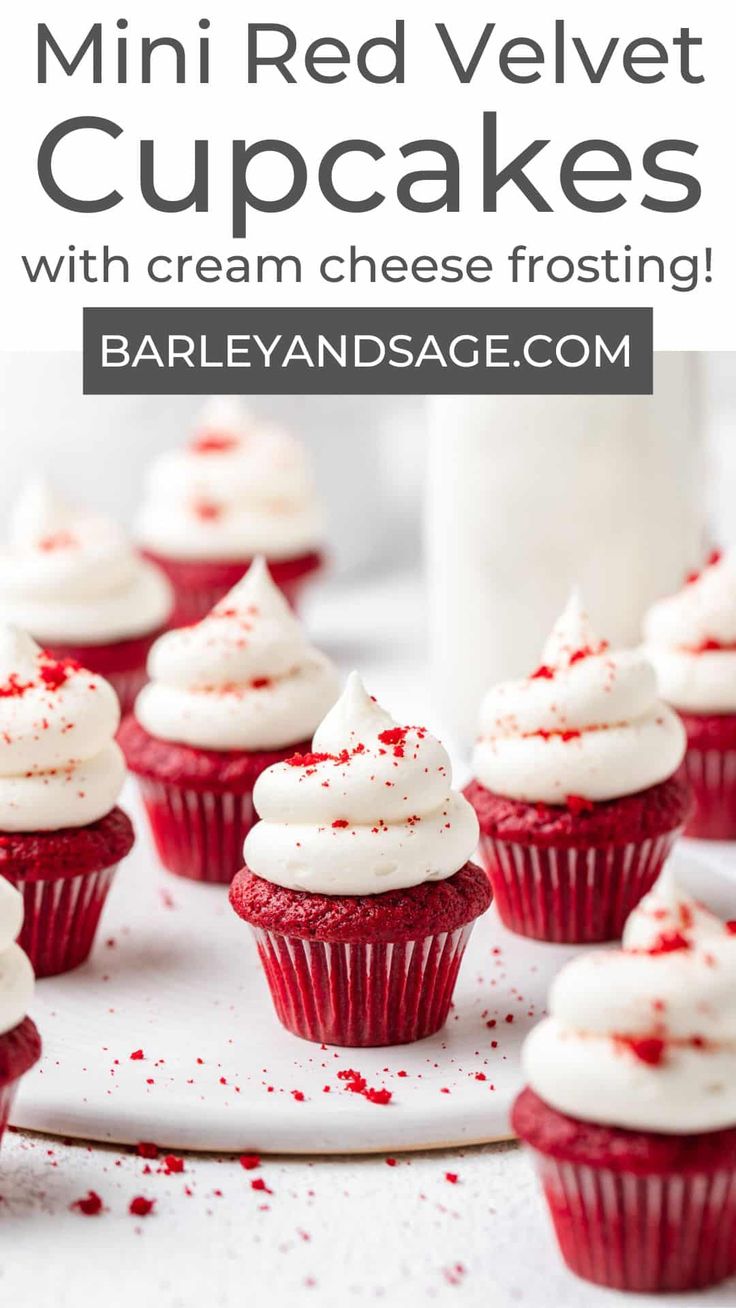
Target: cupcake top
<point>644,1037</point>
<point>587,723</point>
<point>245,678</point>
<point>691,640</point>
<point>59,763</point>
<point>16,973</point>
<point>369,809</point>
<point>71,577</point>
<point>240,488</point>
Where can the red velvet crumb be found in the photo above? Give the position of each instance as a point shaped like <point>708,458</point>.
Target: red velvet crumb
<point>91,1205</point>
<point>140,1206</point>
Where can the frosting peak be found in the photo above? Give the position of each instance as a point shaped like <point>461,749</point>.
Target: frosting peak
<point>691,640</point>
<point>644,1037</point>
<point>239,488</point>
<point>59,764</point>
<point>245,678</point>
<point>71,577</point>
<point>370,809</point>
<point>586,723</point>
<point>16,973</point>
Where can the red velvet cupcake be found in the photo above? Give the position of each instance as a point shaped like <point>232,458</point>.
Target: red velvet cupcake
<point>61,836</point>
<point>20,1043</point>
<point>630,1112</point>
<point>575,788</point>
<point>72,581</point>
<point>357,885</point>
<point>227,698</point>
<point>239,489</point>
<point>691,640</point>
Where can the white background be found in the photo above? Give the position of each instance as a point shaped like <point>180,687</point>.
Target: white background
<point>312,116</point>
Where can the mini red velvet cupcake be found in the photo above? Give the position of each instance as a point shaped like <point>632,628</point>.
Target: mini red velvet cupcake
<point>228,697</point>
<point>238,490</point>
<point>72,580</point>
<point>575,788</point>
<point>61,836</point>
<point>357,883</point>
<point>630,1111</point>
<point>20,1043</point>
<point>691,640</point>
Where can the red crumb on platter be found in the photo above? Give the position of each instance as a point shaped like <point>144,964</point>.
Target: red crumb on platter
<point>249,1162</point>
<point>137,1055</point>
<point>140,1206</point>
<point>146,1149</point>
<point>91,1205</point>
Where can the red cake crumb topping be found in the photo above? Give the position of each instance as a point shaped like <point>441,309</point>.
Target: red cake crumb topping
<point>669,942</point>
<point>648,1049</point>
<point>55,672</point>
<point>13,688</point>
<point>91,1205</point>
<point>60,540</point>
<point>714,557</point>
<point>140,1206</point>
<point>213,442</point>
<point>543,673</point>
<point>207,510</point>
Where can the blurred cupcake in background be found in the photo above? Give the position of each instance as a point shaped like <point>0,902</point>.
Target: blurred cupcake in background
<point>20,1043</point>
<point>630,1105</point>
<point>62,835</point>
<point>240,488</point>
<point>357,884</point>
<point>575,787</point>
<point>227,698</point>
<point>691,640</point>
<point>74,582</point>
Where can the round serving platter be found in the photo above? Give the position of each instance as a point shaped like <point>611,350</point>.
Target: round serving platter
<point>167,1034</point>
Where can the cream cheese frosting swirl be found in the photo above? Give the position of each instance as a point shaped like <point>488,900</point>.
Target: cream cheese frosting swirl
<point>72,578</point>
<point>16,973</point>
<point>370,809</point>
<point>587,723</point>
<point>245,678</point>
<point>240,488</point>
<point>691,640</point>
<point>59,763</point>
<point>644,1037</point>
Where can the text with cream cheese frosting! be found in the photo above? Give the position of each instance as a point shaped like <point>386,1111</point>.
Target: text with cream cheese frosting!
<point>59,763</point>
<point>371,808</point>
<point>586,723</point>
<point>240,488</point>
<point>644,1037</point>
<point>69,577</point>
<point>690,638</point>
<point>245,678</point>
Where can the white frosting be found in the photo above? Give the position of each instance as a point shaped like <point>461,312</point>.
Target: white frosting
<point>680,633</point>
<point>59,763</point>
<point>371,809</point>
<point>239,489</point>
<point>243,678</point>
<point>675,1006</point>
<point>16,973</point>
<point>588,723</point>
<point>72,578</point>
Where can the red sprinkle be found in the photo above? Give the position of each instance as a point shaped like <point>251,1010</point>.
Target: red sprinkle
<point>340,824</point>
<point>378,1096</point>
<point>173,1164</point>
<point>669,942</point>
<point>140,1206</point>
<point>259,1184</point>
<point>137,1055</point>
<point>249,1162</point>
<point>452,1177</point>
<point>648,1049</point>
<point>146,1149</point>
<point>543,673</point>
<point>298,1095</point>
<point>91,1205</point>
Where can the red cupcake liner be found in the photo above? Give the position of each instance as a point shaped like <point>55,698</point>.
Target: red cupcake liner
<point>362,994</point>
<point>573,895</point>
<point>61,918</point>
<point>646,1234</point>
<point>199,834</point>
<point>712,776</point>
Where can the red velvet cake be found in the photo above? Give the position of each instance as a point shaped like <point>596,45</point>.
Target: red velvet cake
<point>20,1049</point>
<point>362,899</point>
<point>228,698</point>
<point>64,877</point>
<point>575,787</point>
